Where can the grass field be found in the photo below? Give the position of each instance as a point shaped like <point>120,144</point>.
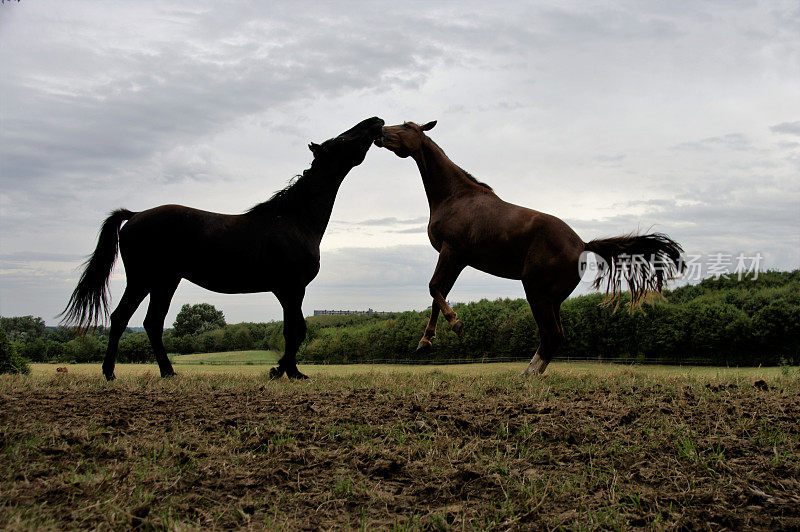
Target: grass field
<point>213,363</point>
<point>588,446</point>
<point>228,357</point>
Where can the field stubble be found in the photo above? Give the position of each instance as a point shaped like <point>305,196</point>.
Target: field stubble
<point>428,450</point>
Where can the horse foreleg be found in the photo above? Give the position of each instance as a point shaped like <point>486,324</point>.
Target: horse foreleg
<point>430,329</point>
<point>448,268</point>
<point>456,325</point>
<point>294,332</point>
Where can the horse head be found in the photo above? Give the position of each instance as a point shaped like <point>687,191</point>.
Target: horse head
<point>403,139</point>
<point>349,148</point>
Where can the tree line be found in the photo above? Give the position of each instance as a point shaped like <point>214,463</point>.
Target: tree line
<point>717,322</point>
<point>723,321</point>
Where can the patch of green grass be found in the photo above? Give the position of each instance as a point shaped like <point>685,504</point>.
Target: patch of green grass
<point>342,487</point>
<point>687,449</point>
<point>769,435</point>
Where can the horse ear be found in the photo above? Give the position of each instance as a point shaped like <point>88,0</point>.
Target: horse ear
<point>428,126</point>
<point>314,147</point>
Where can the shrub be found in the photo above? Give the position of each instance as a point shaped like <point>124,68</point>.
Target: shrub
<point>135,348</point>
<point>10,361</point>
<point>88,348</point>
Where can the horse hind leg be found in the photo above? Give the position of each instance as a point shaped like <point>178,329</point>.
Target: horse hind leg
<point>551,333</point>
<point>160,299</point>
<point>131,299</point>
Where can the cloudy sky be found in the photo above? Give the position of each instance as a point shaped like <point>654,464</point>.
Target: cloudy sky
<point>682,117</point>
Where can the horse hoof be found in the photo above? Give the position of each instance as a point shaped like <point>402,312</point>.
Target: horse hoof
<point>275,373</point>
<point>109,377</point>
<point>423,346</point>
<point>458,328</point>
<point>297,376</point>
<point>168,375</point>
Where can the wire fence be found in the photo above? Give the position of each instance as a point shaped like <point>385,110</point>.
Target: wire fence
<point>454,361</point>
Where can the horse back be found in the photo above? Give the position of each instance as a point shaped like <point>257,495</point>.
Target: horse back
<point>498,237</point>
<point>229,253</point>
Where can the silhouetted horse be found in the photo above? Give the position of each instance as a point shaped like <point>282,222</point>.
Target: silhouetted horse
<point>470,226</point>
<point>273,247</point>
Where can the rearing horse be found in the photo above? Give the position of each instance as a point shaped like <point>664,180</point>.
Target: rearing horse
<point>273,247</point>
<point>470,226</point>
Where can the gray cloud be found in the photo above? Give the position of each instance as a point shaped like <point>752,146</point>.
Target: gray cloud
<point>141,103</point>
<point>707,227</point>
<point>390,221</point>
<point>411,230</point>
<point>610,158</point>
<point>39,256</point>
<point>377,267</point>
<point>395,278</point>
<point>594,115</point>
<point>732,141</point>
<point>788,128</point>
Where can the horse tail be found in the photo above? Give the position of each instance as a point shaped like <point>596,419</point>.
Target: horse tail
<point>88,304</point>
<point>645,262</point>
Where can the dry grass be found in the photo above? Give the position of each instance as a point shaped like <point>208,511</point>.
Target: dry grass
<point>472,447</point>
<point>576,369</point>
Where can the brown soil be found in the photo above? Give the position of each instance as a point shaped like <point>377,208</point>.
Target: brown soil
<point>432,452</point>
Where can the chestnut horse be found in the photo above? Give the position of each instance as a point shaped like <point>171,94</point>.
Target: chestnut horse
<point>470,226</point>
<point>273,247</point>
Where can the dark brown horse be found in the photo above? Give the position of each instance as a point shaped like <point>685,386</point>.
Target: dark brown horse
<point>470,226</point>
<point>273,247</point>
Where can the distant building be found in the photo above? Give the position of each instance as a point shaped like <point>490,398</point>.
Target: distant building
<point>368,312</point>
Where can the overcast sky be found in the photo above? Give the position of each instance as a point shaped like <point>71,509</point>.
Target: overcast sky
<point>683,117</point>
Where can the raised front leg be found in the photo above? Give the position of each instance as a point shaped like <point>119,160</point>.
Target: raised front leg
<point>448,268</point>
<point>452,318</point>
<point>430,330</point>
<point>294,332</point>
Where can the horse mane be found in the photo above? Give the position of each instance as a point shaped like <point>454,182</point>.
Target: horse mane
<point>469,176</point>
<point>299,190</point>
<point>472,178</point>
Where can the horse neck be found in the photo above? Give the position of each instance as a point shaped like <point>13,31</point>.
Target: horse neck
<point>316,211</point>
<point>311,206</point>
<point>441,177</point>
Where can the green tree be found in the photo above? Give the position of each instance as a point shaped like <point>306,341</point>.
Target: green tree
<point>186,344</point>
<point>237,338</point>
<point>56,350</point>
<point>34,350</point>
<point>23,328</point>
<point>135,348</point>
<point>10,361</point>
<point>194,319</point>
<point>88,348</point>
<point>211,341</point>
